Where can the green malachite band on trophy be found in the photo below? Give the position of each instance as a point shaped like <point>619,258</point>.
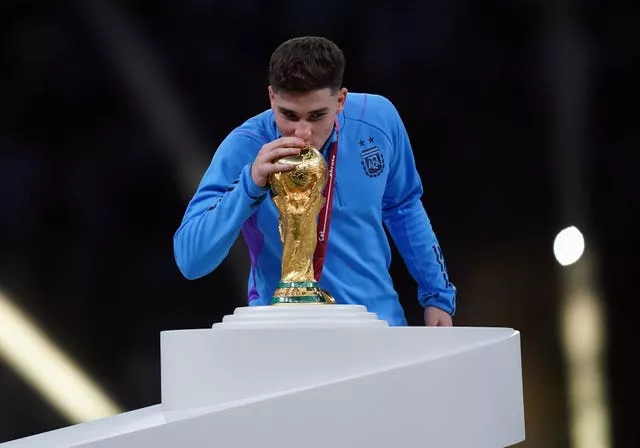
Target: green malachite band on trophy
<point>298,285</point>
<point>297,299</point>
<point>297,292</point>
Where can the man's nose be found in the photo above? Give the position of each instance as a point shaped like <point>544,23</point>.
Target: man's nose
<point>303,132</point>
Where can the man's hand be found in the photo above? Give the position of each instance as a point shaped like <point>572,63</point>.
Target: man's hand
<point>435,317</point>
<point>264,164</point>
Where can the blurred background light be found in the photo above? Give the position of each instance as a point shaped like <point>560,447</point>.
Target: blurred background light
<point>26,349</point>
<point>568,246</point>
<point>583,334</point>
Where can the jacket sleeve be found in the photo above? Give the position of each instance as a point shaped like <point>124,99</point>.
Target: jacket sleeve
<point>223,201</point>
<point>409,225</point>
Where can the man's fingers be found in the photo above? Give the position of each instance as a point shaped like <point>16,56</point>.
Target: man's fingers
<point>432,321</point>
<point>435,317</point>
<point>291,142</point>
<point>265,162</point>
<point>278,168</point>
<point>277,153</point>
<point>283,152</point>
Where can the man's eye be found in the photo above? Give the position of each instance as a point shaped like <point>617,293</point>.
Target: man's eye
<point>291,117</point>
<point>316,117</point>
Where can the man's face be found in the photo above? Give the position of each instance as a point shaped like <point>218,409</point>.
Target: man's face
<point>308,115</point>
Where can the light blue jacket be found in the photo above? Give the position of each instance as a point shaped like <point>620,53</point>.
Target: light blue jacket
<point>376,183</point>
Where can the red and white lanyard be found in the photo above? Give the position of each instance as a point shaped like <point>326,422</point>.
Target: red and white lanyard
<point>324,218</point>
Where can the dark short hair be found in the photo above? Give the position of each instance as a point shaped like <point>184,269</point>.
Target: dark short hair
<point>307,63</point>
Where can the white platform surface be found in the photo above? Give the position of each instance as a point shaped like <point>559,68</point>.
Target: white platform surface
<point>317,376</point>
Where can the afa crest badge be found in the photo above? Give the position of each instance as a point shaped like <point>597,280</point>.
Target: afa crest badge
<point>372,161</point>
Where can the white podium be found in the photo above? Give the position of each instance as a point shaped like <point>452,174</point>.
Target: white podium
<point>321,376</point>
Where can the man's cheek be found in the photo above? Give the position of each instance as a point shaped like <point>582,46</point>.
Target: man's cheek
<point>286,130</point>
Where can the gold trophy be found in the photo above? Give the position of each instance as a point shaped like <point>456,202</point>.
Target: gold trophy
<point>298,196</point>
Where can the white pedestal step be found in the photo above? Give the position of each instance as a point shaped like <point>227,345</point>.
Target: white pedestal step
<point>300,316</point>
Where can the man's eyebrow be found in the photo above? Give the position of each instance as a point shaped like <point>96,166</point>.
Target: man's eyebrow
<point>284,110</point>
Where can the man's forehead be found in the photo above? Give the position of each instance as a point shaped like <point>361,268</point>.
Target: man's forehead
<point>303,103</point>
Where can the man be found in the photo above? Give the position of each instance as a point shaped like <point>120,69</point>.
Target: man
<point>376,185</point>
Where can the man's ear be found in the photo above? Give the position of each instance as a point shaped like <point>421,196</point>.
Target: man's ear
<point>342,97</point>
<point>272,96</point>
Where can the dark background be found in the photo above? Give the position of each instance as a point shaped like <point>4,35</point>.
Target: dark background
<point>523,117</point>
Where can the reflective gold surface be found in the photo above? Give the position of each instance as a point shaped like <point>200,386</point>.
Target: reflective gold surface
<point>298,196</point>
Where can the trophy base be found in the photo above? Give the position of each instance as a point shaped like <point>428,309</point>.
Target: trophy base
<point>300,293</point>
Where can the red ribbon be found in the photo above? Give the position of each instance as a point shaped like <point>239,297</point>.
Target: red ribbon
<point>324,218</point>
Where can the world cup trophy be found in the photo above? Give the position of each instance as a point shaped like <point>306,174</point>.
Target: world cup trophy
<point>298,197</point>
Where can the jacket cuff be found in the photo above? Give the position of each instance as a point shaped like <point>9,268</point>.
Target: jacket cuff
<point>253,191</point>
<point>446,304</point>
